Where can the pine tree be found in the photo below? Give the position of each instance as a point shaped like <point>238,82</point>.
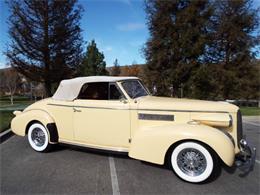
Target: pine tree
<point>202,83</point>
<point>178,32</point>
<point>45,39</point>
<point>116,69</point>
<point>93,61</point>
<point>233,38</point>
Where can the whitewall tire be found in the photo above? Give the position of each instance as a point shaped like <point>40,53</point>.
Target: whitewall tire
<point>38,137</point>
<point>192,162</point>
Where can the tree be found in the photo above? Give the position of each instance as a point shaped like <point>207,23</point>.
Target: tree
<point>10,81</point>
<point>93,61</point>
<point>133,70</point>
<point>178,39</point>
<point>45,39</point>
<point>116,69</point>
<point>38,91</point>
<point>202,83</point>
<point>230,52</point>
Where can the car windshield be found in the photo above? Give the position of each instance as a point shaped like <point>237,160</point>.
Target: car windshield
<point>134,88</point>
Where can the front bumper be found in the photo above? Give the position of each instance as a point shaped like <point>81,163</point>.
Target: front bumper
<point>245,160</point>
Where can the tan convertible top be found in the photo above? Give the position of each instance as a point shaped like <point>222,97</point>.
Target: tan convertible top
<point>69,88</point>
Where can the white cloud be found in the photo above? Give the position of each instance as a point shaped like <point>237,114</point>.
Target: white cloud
<point>132,26</point>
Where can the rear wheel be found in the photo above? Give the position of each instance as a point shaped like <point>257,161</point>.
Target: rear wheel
<point>38,138</point>
<point>193,162</point>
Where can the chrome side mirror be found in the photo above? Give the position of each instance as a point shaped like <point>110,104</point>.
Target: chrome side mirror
<point>154,90</point>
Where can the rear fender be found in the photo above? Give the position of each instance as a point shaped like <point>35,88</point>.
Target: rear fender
<point>22,121</point>
<point>152,143</point>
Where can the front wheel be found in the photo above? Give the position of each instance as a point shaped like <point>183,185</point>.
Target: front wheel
<point>38,138</point>
<point>193,162</point>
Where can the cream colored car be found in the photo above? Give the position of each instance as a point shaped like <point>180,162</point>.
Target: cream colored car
<point>119,114</point>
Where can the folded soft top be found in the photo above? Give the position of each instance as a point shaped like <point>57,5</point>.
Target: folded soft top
<point>70,88</point>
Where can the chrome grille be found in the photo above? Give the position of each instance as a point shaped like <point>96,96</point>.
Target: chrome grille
<point>239,127</point>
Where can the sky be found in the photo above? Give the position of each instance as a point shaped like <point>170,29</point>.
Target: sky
<point>118,27</point>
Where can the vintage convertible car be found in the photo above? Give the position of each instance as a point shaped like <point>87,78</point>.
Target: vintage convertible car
<point>119,114</point>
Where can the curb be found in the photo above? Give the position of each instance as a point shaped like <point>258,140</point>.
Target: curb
<point>5,135</point>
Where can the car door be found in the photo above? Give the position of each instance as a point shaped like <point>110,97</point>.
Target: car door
<point>62,111</point>
<point>102,116</point>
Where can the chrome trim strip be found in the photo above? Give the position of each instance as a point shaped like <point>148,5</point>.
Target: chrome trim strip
<point>91,107</point>
<point>157,117</point>
<point>95,147</point>
<point>50,104</point>
<point>228,135</point>
<point>159,110</point>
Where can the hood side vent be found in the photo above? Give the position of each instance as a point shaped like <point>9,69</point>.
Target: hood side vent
<point>157,117</point>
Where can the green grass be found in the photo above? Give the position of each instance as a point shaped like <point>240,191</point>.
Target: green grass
<point>6,109</point>
<point>5,101</point>
<point>15,106</point>
<point>250,111</point>
<point>17,98</point>
<point>5,119</point>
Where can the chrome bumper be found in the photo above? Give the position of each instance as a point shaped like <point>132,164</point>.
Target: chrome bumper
<point>245,160</point>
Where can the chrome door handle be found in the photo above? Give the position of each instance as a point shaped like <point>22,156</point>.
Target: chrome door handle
<point>76,110</point>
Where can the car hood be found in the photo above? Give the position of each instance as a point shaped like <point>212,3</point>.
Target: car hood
<point>180,104</point>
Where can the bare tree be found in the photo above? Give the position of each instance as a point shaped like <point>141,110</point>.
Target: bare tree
<point>10,80</point>
<point>39,91</point>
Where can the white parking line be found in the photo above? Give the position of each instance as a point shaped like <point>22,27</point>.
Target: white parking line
<point>257,161</point>
<point>252,123</point>
<point>114,181</point>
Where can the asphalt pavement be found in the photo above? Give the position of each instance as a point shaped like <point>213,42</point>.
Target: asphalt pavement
<point>72,170</point>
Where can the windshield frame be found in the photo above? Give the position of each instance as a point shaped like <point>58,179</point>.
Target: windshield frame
<point>141,84</point>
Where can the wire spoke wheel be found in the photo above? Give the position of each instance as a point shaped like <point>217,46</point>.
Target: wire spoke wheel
<point>192,162</point>
<point>38,137</point>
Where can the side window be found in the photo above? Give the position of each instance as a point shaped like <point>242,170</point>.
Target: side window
<point>94,91</point>
<point>114,93</point>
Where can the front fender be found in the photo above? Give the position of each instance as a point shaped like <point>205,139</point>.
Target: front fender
<point>151,143</point>
<point>20,122</point>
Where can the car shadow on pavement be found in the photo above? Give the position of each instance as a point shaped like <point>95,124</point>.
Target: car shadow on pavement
<point>229,170</point>
<point>57,148</point>
<point>101,152</point>
<point>232,170</point>
<point>164,166</point>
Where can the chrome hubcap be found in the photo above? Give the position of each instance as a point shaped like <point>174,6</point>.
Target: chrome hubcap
<point>38,137</point>
<point>191,162</point>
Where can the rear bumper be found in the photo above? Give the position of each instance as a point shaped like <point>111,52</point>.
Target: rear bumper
<point>245,160</point>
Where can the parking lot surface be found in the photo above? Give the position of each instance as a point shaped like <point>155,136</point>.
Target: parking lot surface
<point>72,170</point>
